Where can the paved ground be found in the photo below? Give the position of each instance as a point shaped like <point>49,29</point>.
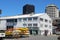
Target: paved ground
<point>38,37</point>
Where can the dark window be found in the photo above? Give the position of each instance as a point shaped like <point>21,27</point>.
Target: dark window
<point>20,19</point>
<point>46,26</point>
<point>35,18</point>
<point>41,19</point>
<point>29,19</point>
<point>24,24</point>
<point>46,20</point>
<point>35,25</point>
<point>11,20</point>
<point>24,19</point>
<point>29,25</point>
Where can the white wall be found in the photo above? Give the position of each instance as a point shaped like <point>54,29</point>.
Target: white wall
<point>45,16</point>
<point>2,24</point>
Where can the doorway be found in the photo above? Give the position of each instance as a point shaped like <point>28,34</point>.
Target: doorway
<point>46,32</point>
<point>9,27</point>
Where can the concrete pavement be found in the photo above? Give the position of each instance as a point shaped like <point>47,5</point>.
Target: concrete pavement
<point>36,37</point>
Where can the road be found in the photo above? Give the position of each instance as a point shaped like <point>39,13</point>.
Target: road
<point>37,37</point>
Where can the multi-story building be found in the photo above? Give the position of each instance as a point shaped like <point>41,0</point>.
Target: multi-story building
<point>59,13</point>
<point>37,23</point>
<point>56,24</point>
<point>52,11</point>
<point>28,9</point>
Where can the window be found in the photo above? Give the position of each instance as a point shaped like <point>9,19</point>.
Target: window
<point>46,20</point>
<point>11,20</point>
<point>35,18</point>
<point>46,26</point>
<point>29,25</point>
<point>29,19</point>
<point>41,19</point>
<point>20,19</point>
<point>24,19</point>
<point>24,25</point>
<point>35,25</point>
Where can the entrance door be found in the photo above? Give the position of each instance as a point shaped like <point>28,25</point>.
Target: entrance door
<point>46,32</point>
<point>36,31</point>
<point>31,32</point>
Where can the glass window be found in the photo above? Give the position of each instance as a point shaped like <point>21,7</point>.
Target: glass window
<point>11,20</point>
<point>46,26</point>
<point>24,19</point>
<point>46,20</point>
<point>41,19</point>
<point>29,19</point>
<point>20,19</point>
<point>24,24</point>
<point>35,25</point>
<point>35,18</point>
<point>29,25</point>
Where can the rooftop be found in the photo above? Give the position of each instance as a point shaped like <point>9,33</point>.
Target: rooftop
<point>22,16</point>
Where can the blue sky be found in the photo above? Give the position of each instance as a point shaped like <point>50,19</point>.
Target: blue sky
<point>14,7</point>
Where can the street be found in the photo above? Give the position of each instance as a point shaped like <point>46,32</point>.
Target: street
<point>37,37</point>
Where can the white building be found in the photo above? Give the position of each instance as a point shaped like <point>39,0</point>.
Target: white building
<point>37,23</point>
<point>52,10</point>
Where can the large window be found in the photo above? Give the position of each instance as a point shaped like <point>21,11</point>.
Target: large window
<point>24,25</point>
<point>46,25</point>
<point>35,18</point>
<point>29,25</point>
<point>29,19</point>
<point>24,19</point>
<point>20,19</point>
<point>11,20</point>
<point>35,25</point>
<point>41,19</point>
<point>46,20</point>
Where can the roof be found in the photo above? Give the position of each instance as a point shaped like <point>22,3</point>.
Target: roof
<point>51,5</point>
<point>22,16</point>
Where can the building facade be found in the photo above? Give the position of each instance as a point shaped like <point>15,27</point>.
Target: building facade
<point>28,9</point>
<point>56,24</point>
<point>37,23</point>
<point>52,11</point>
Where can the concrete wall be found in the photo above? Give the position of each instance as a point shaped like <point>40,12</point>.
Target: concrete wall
<point>45,16</point>
<point>2,24</point>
